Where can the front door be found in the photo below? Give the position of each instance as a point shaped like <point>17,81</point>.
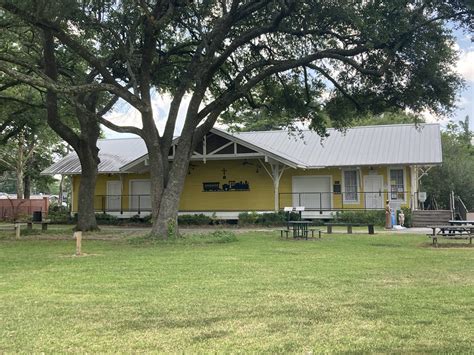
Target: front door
<point>373,188</point>
<point>114,196</point>
<point>312,192</point>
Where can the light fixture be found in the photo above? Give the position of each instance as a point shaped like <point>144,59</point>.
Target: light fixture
<point>223,173</point>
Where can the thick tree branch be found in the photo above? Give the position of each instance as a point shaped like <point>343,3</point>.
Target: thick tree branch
<point>335,83</point>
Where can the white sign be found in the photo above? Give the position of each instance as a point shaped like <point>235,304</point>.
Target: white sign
<point>422,196</point>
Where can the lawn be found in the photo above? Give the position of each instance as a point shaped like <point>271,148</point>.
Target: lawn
<point>343,293</point>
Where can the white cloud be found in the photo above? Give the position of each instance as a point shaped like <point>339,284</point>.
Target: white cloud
<point>430,117</point>
<point>125,115</point>
<point>465,65</point>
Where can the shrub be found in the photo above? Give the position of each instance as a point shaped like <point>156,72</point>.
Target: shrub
<point>267,219</point>
<point>194,219</point>
<point>246,218</point>
<point>139,219</point>
<point>373,217</point>
<point>59,215</point>
<point>104,218</point>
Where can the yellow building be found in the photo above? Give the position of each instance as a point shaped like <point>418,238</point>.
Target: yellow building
<point>358,169</point>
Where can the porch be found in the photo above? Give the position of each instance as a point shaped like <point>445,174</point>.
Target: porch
<point>318,205</point>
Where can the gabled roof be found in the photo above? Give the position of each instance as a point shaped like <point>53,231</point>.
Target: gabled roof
<point>405,144</point>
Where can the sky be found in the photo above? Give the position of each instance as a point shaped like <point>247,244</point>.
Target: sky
<point>465,67</point>
<point>123,114</point>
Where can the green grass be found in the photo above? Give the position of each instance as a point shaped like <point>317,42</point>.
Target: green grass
<point>343,293</point>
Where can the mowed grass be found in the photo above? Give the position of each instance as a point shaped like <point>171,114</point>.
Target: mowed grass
<point>343,293</point>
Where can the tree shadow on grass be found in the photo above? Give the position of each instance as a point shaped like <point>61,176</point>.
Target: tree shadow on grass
<point>460,245</point>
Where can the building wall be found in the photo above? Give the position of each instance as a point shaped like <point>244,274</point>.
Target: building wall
<point>260,195</point>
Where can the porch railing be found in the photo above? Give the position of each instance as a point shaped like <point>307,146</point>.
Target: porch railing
<point>312,201</point>
<point>335,201</point>
<point>122,203</point>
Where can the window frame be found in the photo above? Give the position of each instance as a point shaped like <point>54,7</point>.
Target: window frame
<point>357,192</point>
<point>389,184</point>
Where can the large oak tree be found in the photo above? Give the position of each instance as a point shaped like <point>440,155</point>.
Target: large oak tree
<point>327,58</point>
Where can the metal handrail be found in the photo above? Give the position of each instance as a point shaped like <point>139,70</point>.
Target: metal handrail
<point>136,203</point>
<point>462,213</point>
<point>317,201</point>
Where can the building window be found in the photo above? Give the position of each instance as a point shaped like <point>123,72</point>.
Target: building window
<point>350,186</point>
<point>397,186</point>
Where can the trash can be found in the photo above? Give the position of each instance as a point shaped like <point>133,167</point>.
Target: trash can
<point>37,216</point>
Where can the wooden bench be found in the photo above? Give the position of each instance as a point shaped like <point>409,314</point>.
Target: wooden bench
<point>44,224</point>
<point>434,238</point>
<point>349,226</point>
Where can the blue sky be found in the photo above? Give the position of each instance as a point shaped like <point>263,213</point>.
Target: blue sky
<point>465,67</point>
<point>124,115</point>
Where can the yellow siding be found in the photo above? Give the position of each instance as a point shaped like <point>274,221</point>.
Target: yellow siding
<point>260,197</point>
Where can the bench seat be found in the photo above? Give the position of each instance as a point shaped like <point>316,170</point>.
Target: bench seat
<point>459,236</point>
<point>349,226</point>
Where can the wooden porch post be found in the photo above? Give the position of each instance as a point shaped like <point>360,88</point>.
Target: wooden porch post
<point>414,187</point>
<point>276,184</point>
<point>275,174</point>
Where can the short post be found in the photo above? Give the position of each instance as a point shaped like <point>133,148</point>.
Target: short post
<point>78,236</point>
<point>17,230</point>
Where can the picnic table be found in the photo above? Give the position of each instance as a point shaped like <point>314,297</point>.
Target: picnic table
<point>349,226</point>
<point>460,222</point>
<point>299,229</point>
<point>451,232</point>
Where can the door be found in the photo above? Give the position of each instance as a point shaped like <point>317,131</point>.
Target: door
<point>140,195</point>
<point>373,188</point>
<point>312,192</point>
<point>114,196</point>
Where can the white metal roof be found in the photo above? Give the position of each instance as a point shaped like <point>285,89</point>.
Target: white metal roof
<point>405,144</point>
<point>113,154</point>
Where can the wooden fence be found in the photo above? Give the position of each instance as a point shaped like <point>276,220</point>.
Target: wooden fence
<point>17,209</point>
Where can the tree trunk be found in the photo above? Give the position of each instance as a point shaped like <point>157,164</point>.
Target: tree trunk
<point>86,220</point>
<point>27,186</point>
<point>165,221</point>
<point>19,183</point>
<point>20,167</point>
<point>84,145</point>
